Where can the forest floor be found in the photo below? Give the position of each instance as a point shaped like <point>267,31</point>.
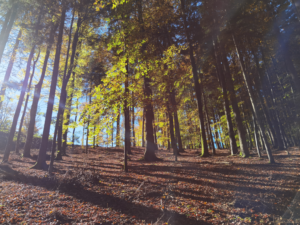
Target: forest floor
<point>93,189</point>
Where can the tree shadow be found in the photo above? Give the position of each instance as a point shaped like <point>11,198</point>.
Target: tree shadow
<point>123,206</point>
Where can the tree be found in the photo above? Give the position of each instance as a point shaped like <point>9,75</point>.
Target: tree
<point>41,161</point>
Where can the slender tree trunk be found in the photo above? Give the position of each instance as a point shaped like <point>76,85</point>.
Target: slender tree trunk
<point>41,161</point>
<point>5,23</point>
<point>73,134</point>
<point>9,68</point>
<point>5,34</point>
<point>53,149</point>
<point>239,122</point>
<point>67,122</point>
<point>118,130</point>
<point>18,109</point>
<point>149,154</point>
<point>253,103</point>
<point>216,131</point>
<point>249,136</point>
<point>63,94</point>
<point>126,121</point>
<point>220,72</point>
<point>143,129</point>
<point>273,123</point>
<point>173,140</point>
<point>208,126</point>
<point>177,127</point>
<point>88,129</point>
<point>25,106</point>
<point>94,139</point>
<point>256,136</point>
<point>37,93</point>
<point>132,125</point>
<point>112,136</point>
<point>197,86</point>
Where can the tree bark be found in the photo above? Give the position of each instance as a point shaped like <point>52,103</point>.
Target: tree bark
<point>220,72</point>
<point>150,145</point>
<point>149,154</point>
<point>132,125</point>
<point>25,106</point>
<point>88,129</point>
<point>37,93</point>
<point>9,68</point>
<point>177,127</point>
<point>253,103</point>
<point>173,140</point>
<point>73,133</point>
<point>41,161</point>
<point>143,129</point>
<point>216,131</point>
<point>239,122</point>
<point>118,130</point>
<point>5,23</point>
<point>256,136</point>
<point>126,120</point>
<point>63,94</point>
<point>18,109</point>
<point>5,34</point>
<point>208,126</point>
<point>66,124</point>
<point>197,86</point>
<point>273,123</point>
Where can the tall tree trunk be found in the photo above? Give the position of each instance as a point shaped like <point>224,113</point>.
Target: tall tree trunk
<point>177,127</point>
<point>94,139</point>
<point>150,144</point>
<point>256,136</point>
<point>41,161</point>
<point>112,136</point>
<point>53,149</point>
<point>220,72</point>
<point>238,119</point>
<point>249,136</point>
<point>88,129</point>
<point>197,86</point>
<point>5,23</point>
<point>173,140</point>
<point>5,34</point>
<point>126,120</point>
<point>132,125</point>
<point>216,131</point>
<point>118,130</point>
<point>253,103</point>
<point>177,131</point>
<point>155,132</point>
<point>68,116</point>
<point>63,94</point>
<point>37,93</point>
<point>208,125</point>
<point>149,154</point>
<point>9,68</point>
<point>18,109</point>
<point>25,106</point>
<point>143,129</point>
<point>73,133</point>
<point>274,123</point>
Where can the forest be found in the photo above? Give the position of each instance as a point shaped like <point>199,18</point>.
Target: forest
<point>149,111</point>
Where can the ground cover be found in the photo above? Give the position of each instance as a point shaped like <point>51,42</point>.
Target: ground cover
<point>91,188</point>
